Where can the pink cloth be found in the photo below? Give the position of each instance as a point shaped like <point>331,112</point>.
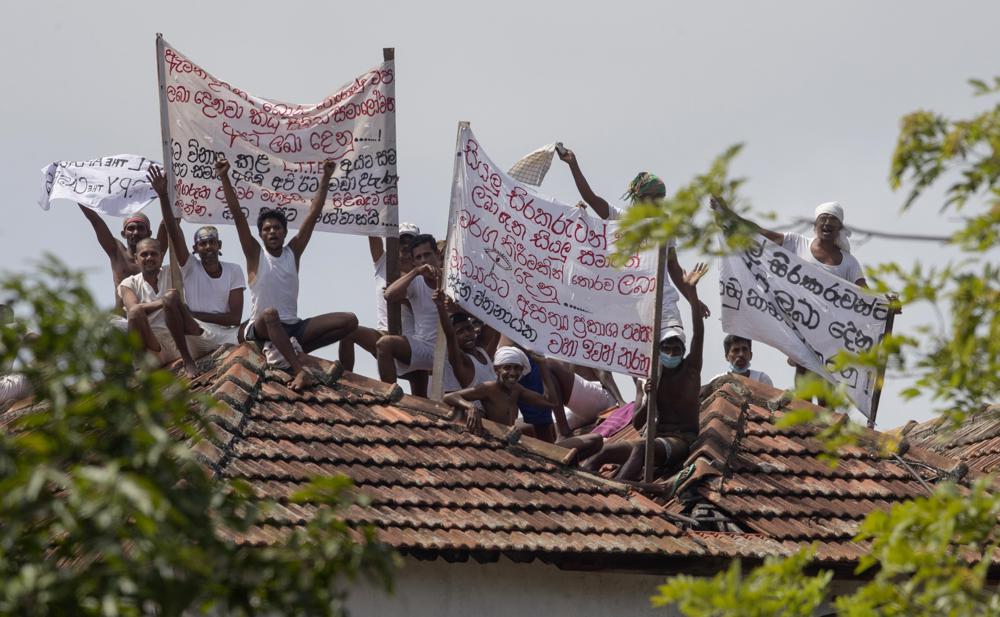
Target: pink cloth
<point>615,422</point>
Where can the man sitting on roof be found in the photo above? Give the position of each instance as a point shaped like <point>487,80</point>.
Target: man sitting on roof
<point>498,400</point>
<point>155,312</point>
<point>739,352</point>
<point>467,365</point>
<point>213,289</point>
<point>402,354</point>
<point>677,401</point>
<point>123,258</point>
<point>273,274</point>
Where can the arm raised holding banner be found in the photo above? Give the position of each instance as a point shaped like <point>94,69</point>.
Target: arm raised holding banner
<point>597,203</point>
<point>301,239</point>
<point>728,217</point>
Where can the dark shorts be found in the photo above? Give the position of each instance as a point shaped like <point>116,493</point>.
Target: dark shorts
<point>295,330</point>
<point>536,416</point>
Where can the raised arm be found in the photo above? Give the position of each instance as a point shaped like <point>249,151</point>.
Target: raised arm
<point>301,239</point>
<point>396,291</point>
<point>697,317</point>
<point>595,201</point>
<point>104,236</point>
<point>728,216</point>
<point>251,248</point>
<point>461,365</point>
<point>677,278</point>
<point>173,228</point>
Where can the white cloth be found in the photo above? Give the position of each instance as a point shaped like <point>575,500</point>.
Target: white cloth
<point>834,209</point>
<point>760,376</point>
<point>511,355</point>
<point>421,356</point>
<point>425,316</point>
<point>483,372</point>
<point>587,400</point>
<point>381,308</point>
<point>848,269</point>
<point>13,387</point>
<point>112,185</point>
<point>274,357</point>
<point>218,335</point>
<point>205,294</point>
<point>276,286</point>
<point>145,293</point>
<point>531,168</point>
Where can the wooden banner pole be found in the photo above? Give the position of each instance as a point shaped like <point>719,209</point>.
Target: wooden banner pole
<point>168,167</point>
<point>392,242</point>
<point>654,371</point>
<point>889,323</point>
<point>436,391</point>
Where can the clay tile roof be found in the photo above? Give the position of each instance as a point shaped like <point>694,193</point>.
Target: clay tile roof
<point>434,488</point>
<point>976,442</point>
<point>762,486</point>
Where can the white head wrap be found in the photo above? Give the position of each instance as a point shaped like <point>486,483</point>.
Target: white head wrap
<point>511,355</point>
<point>672,329</point>
<point>834,209</point>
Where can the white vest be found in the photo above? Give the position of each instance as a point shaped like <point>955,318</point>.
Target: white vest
<point>276,286</point>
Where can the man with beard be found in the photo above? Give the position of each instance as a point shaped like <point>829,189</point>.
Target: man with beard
<point>213,289</point>
<point>739,352</point>
<point>155,311</point>
<point>273,274</point>
<point>122,256</point>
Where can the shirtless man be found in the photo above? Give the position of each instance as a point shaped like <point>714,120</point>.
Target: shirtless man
<point>467,364</point>
<point>213,289</point>
<point>273,274</point>
<point>498,400</point>
<point>414,351</point>
<point>135,227</point>
<point>644,187</point>
<point>155,311</point>
<point>677,402</point>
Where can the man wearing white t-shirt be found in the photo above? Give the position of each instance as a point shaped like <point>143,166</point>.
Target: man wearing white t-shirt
<point>644,187</point>
<point>155,312</point>
<point>413,351</point>
<point>213,289</point>
<point>739,352</point>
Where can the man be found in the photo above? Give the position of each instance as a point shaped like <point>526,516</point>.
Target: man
<point>155,312</point>
<point>368,337</point>
<point>739,352</point>
<point>644,187</point>
<point>467,364</point>
<point>213,289</point>
<point>273,274</point>
<point>413,351</point>
<point>677,401</point>
<point>498,400</point>
<point>585,392</point>
<point>122,256</point>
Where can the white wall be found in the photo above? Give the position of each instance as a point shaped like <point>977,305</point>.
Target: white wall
<point>442,589</point>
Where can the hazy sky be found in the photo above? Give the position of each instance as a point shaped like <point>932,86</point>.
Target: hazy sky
<point>815,90</point>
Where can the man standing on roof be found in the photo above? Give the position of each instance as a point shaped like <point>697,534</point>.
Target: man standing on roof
<point>402,354</point>
<point>644,187</point>
<point>155,312</point>
<point>367,337</point>
<point>135,227</point>
<point>273,274</point>
<point>213,289</point>
<point>677,401</point>
<point>739,352</point>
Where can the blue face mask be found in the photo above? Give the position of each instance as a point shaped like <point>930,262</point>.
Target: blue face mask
<point>734,369</point>
<point>669,361</point>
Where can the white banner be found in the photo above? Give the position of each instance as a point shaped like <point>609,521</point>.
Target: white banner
<point>539,271</point>
<point>112,185</point>
<point>773,296</point>
<point>276,150</point>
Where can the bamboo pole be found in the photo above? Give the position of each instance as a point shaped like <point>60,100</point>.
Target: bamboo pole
<point>889,323</point>
<point>654,371</point>
<point>392,242</point>
<point>168,168</point>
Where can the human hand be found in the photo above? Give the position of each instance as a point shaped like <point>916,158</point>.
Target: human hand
<point>329,165</point>
<point>474,420</point>
<point>157,180</point>
<point>222,168</point>
<point>691,278</point>
<point>705,312</point>
<point>439,298</point>
<point>648,386</point>
<point>566,155</point>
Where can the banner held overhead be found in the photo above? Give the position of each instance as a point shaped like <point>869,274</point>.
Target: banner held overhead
<point>277,149</point>
<point>112,185</point>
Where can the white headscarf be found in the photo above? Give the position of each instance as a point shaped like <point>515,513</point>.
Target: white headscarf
<point>834,209</point>
<point>511,355</point>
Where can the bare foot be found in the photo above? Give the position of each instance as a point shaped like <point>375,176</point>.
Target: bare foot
<point>190,370</point>
<point>302,381</point>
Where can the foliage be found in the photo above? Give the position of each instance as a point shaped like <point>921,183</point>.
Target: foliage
<point>779,588</point>
<point>105,511</point>
<point>928,556</point>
